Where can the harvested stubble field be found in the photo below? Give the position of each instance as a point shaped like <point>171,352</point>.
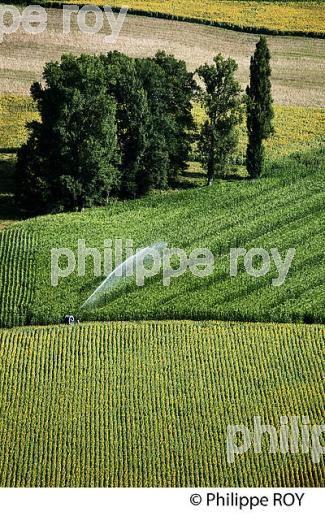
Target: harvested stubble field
<point>297,63</point>
<point>148,404</point>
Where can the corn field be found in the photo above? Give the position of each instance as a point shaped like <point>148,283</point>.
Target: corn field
<point>148,404</point>
<point>17,280</point>
<point>282,210</point>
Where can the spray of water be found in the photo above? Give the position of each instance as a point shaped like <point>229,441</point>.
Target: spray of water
<point>122,271</point>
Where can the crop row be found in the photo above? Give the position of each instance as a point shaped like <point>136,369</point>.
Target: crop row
<point>17,275</point>
<point>148,404</point>
<point>282,211</point>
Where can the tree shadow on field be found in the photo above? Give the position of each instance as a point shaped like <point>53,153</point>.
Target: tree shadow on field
<point>192,178</point>
<point>8,209</point>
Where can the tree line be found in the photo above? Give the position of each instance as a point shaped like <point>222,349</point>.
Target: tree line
<point>115,126</point>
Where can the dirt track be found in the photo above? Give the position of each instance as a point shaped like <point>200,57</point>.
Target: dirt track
<point>297,63</point>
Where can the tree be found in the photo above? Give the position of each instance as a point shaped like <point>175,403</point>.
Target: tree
<point>133,120</point>
<point>169,88</point>
<point>259,108</point>
<point>223,105</point>
<point>108,125</point>
<point>157,158</point>
<point>71,158</point>
<point>179,90</point>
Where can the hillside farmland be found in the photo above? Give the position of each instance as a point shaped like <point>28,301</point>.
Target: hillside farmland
<point>121,404</point>
<point>277,15</point>
<point>297,63</point>
<point>291,195</point>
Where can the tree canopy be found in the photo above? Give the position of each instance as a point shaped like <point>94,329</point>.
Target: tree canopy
<point>109,125</point>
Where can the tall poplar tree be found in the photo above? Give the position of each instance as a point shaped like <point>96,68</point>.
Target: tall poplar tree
<point>259,108</point>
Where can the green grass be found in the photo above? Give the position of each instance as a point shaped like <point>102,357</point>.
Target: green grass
<point>148,404</point>
<point>282,210</point>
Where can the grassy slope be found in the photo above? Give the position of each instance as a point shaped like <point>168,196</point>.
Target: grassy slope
<point>121,404</point>
<point>281,16</point>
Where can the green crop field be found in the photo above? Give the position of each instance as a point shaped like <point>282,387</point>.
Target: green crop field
<point>120,399</point>
<point>282,210</point>
<point>17,252</point>
<point>148,404</point>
